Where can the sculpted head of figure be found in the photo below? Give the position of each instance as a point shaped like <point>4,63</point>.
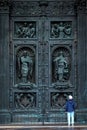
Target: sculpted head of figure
<point>61,53</point>
<point>25,53</point>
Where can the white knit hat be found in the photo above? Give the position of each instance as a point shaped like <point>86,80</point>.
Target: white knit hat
<point>70,97</point>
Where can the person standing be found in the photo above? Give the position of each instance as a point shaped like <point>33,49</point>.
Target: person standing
<point>70,109</point>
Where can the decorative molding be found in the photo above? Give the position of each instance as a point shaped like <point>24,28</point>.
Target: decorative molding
<point>52,8</point>
<point>62,85</point>
<point>25,8</point>
<point>60,8</point>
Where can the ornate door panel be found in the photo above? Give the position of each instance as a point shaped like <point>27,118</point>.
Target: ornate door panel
<point>42,63</point>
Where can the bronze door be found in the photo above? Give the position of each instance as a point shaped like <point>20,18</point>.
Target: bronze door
<point>43,68</point>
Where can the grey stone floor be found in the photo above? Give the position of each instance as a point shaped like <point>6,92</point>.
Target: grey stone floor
<point>55,127</point>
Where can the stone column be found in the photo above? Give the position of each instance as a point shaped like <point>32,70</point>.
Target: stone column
<point>4,61</point>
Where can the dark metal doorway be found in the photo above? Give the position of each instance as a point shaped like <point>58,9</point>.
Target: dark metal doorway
<point>41,55</point>
<point>42,59</point>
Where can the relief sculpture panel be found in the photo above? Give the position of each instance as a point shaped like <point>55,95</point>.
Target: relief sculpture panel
<point>58,99</point>
<point>61,29</point>
<point>25,100</point>
<point>25,29</point>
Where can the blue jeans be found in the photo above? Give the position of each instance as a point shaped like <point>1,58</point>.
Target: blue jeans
<point>70,118</point>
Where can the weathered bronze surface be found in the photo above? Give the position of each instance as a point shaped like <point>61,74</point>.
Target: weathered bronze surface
<point>43,60</point>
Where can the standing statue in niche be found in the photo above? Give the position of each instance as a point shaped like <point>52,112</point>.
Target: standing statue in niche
<point>61,65</point>
<point>25,67</point>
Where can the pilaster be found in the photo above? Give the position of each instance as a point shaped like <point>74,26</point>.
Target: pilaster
<point>4,60</point>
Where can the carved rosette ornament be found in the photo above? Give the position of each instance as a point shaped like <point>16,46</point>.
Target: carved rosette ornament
<point>43,5</point>
<point>4,6</point>
<point>4,3</point>
<point>81,5</point>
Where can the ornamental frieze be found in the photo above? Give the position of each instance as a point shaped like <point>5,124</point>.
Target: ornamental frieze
<point>26,8</point>
<point>36,8</point>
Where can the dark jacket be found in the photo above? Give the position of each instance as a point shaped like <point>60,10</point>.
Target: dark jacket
<point>70,106</point>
